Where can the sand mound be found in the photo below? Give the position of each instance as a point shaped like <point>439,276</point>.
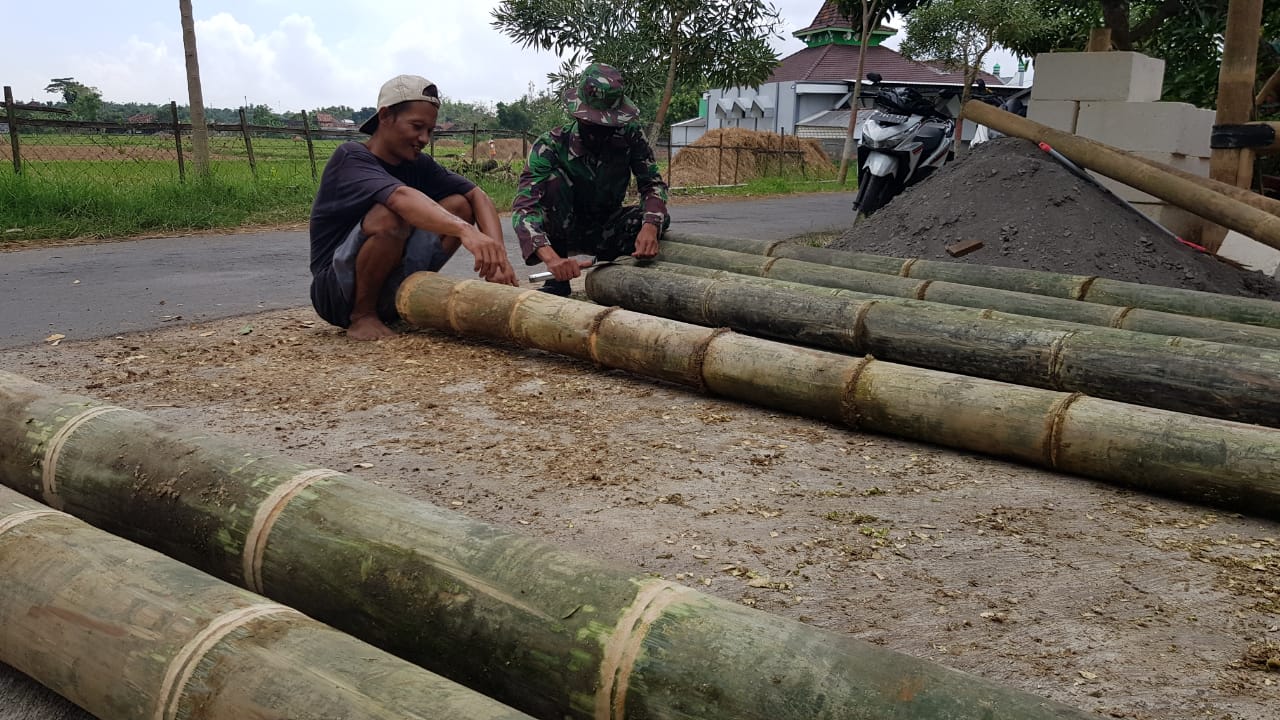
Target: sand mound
<point>733,155</point>
<point>506,149</point>
<point>1030,211</point>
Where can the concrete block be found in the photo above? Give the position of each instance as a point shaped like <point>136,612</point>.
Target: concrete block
<point>1182,223</point>
<point>1057,114</point>
<point>1114,76</point>
<point>1196,131</point>
<point>1250,253</point>
<point>1145,127</point>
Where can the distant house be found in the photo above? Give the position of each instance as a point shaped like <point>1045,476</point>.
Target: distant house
<point>325,121</point>
<point>446,126</point>
<point>810,92</point>
<point>141,118</point>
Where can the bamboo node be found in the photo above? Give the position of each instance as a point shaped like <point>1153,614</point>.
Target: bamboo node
<point>593,332</point>
<point>1056,350</point>
<point>923,289</point>
<point>49,467</point>
<point>1085,287</point>
<point>699,357</point>
<point>1057,418</point>
<point>848,399</point>
<point>255,541</point>
<point>768,251</point>
<point>1117,320</point>
<point>860,326</point>
<point>905,270</point>
<point>12,521</point>
<point>183,664</point>
<point>626,642</point>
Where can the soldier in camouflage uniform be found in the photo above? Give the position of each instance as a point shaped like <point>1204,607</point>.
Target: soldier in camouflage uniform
<point>569,201</point>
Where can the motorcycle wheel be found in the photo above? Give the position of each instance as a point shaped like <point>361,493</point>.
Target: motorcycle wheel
<point>877,196</point>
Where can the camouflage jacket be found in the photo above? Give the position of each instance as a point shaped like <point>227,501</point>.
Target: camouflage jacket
<point>558,164</point>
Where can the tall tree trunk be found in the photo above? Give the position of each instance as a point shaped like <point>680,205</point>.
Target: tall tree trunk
<point>669,88</point>
<point>1115,15</point>
<point>849,144</point>
<point>199,130</point>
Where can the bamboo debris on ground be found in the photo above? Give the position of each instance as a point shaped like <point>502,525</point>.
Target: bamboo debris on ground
<point>1217,462</point>
<point>522,620</point>
<point>1056,308</point>
<point>1232,382</point>
<point>1086,288</point>
<point>125,632</point>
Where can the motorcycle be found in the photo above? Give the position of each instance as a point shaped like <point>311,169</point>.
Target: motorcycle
<point>1016,104</point>
<point>907,139</point>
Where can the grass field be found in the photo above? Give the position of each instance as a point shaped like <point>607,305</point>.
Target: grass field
<point>103,186</point>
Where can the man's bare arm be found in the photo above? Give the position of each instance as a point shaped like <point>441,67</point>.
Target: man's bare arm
<point>422,212</point>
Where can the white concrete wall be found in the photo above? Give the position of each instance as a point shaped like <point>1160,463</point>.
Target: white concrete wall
<point>1110,76</point>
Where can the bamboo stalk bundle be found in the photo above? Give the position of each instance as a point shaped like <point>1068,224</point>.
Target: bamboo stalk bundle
<point>1056,308</point>
<point>1218,462</point>
<point>545,630</point>
<point>125,632</point>
<point>1086,288</point>
<point>1191,196</point>
<point>1232,382</point>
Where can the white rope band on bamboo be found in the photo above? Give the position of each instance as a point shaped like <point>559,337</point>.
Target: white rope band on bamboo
<point>255,543</point>
<point>183,665</point>
<point>49,469</point>
<point>626,642</point>
<point>10,522</point>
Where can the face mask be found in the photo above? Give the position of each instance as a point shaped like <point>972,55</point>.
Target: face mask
<point>595,138</point>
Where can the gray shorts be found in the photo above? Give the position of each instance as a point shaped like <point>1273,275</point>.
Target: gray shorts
<point>333,290</point>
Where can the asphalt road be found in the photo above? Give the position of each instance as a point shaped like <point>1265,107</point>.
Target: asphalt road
<point>96,290</point>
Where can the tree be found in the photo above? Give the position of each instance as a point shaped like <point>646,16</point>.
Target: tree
<point>959,33</point>
<point>653,43</point>
<point>199,130</point>
<point>866,15</point>
<point>84,102</point>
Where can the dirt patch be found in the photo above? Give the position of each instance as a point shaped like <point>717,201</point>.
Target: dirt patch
<point>732,156</point>
<point>1031,212</point>
<point>1112,601</point>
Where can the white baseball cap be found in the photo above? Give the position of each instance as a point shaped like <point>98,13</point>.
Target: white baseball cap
<point>402,88</point>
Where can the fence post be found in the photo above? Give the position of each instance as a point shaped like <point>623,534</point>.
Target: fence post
<point>177,140</point>
<point>720,159</point>
<point>782,148</point>
<point>670,168</point>
<point>311,149</point>
<point>432,151</point>
<point>524,146</point>
<point>474,127</point>
<point>13,129</point>
<point>248,144</point>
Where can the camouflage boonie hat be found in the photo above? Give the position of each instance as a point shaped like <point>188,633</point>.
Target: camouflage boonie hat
<point>600,98</point>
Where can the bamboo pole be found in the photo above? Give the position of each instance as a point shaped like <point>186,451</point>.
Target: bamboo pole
<point>248,144</point>
<point>1041,306</point>
<point>125,632</point>
<point>521,620</point>
<point>1236,78</point>
<point>1207,460</point>
<point>1086,288</point>
<point>1202,378</point>
<point>177,140</point>
<point>1190,196</point>
<point>11,114</point>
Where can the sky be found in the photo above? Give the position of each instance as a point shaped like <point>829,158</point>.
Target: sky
<point>285,54</point>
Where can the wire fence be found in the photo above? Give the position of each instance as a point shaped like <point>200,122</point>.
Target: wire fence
<point>721,159</point>
<point>139,153</point>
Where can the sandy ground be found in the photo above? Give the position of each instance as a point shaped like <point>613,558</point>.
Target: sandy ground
<point>1121,603</point>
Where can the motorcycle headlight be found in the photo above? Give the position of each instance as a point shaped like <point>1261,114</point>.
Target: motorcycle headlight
<point>875,144</point>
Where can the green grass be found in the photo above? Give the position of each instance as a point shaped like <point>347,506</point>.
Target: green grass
<point>139,192</point>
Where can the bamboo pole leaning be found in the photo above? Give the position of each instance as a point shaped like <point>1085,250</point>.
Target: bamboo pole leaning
<point>1190,196</point>
<point>1086,288</point>
<point>127,633</point>
<point>524,621</point>
<point>1217,462</point>
<point>1055,308</point>
<point>1232,382</point>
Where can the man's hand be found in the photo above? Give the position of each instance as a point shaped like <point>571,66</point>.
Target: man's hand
<point>646,242</point>
<point>566,268</point>
<point>491,256</point>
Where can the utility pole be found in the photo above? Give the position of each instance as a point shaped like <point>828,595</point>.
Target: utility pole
<point>199,129</point>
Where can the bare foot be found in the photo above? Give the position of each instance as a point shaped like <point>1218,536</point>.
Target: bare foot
<point>368,327</point>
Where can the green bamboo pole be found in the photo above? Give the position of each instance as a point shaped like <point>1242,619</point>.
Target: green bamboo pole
<point>526,622</point>
<point>1232,382</point>
<point>1125,318</point>
<point>1087,288</point>
<point>1203,459</point>
<point>127,633</point>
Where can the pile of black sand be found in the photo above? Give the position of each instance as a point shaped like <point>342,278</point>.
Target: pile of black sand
<point>1029,211</point>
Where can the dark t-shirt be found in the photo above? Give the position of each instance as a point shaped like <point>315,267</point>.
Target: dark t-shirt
<point>354,180</point>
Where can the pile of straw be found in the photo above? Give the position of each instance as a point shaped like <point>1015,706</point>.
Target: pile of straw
<point>732,156</point>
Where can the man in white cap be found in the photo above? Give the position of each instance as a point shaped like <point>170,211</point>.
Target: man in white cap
<point>384,210</point>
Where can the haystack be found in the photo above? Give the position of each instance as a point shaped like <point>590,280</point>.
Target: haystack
<point>733,155</point>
